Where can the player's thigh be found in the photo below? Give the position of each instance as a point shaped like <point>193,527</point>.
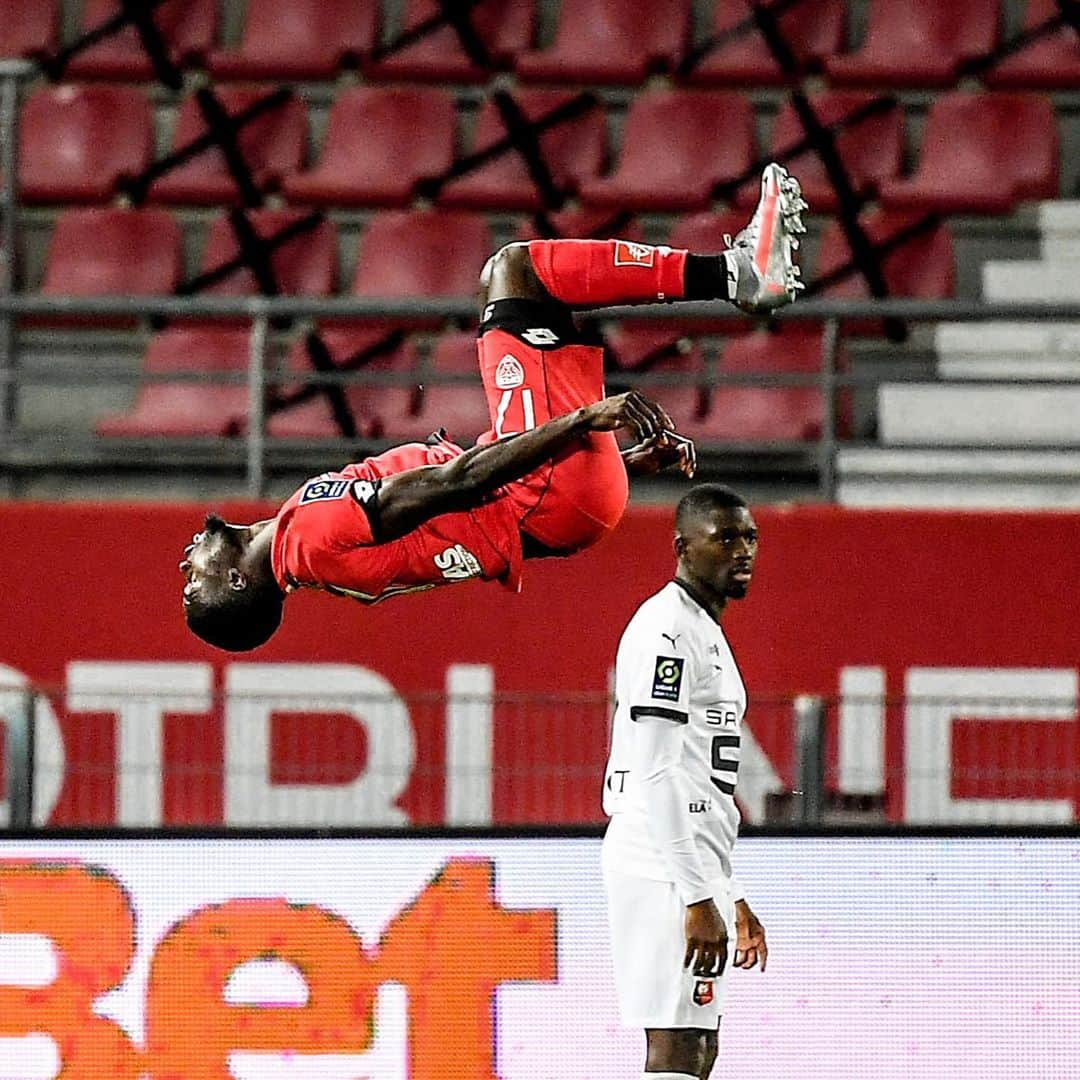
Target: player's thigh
<point>648,945</point>
<point>526,385</point>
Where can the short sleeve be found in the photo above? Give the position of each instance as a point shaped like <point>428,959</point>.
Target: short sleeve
<point>658,675</point>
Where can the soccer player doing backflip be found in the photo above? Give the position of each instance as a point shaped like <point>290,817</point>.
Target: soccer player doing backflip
<point>548,478</point>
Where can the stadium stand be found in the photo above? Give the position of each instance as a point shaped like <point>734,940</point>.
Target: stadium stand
<point>78,143</point>
<point>380,143</point>
<point>1048,61</point>
<point>28,28</point>
<point>299,39</point>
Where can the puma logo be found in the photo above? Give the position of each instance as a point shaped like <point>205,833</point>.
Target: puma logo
<point>672,639</point>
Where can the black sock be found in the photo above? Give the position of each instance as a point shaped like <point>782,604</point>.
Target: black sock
<point>705,277</point>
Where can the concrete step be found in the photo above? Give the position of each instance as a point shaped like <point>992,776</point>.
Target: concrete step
<point>912,414</point>
<point>1059,224</point>
<point>1031,281</point>
<point>1018,479</point>
<point>1008,350</point>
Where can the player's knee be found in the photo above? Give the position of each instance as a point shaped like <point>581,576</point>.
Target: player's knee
<point>678,1050</point>
<point>509,273</point>
<point>712,1048</point>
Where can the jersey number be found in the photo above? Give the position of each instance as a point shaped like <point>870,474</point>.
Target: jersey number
<point>527,411</point>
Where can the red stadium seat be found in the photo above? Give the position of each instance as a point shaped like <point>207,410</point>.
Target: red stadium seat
<point>504,30</point>
<point>78,142</point>
<point>380,143</point>
<point>610,41</point>
<point>982,153</point>
<point>584,224</point>
<point>303,265</point>
<point>813,30</point>
<point>100,251</point>
<point>1050,62</point>
<point>313,418</point>
<point>187,409</point>
<point>189,28</point>
<point>299,39</point>
<point>676,147</point>
<point>272,145</point>
<point>421,253</point>
<point>572,149</point>
<point>870,148</point>
<point>679,371</point>
<point>922,267</point>
<point>28,28</point>
<point>913,43</point>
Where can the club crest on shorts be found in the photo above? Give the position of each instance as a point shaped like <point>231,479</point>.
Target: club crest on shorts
<point>630,254</point>
<point>509,374</point>
<point>703,992</point>
<point>667,678</point>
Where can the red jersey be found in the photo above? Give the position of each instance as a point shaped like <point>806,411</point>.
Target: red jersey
<point>323,537</point>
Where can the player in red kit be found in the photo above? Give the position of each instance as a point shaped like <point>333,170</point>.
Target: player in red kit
<point>547,479</point>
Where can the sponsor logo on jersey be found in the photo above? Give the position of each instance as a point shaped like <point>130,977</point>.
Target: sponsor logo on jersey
<point>703,992</point>
<point>667,678</point>
<point>630,254</point>
<point>321,489</point>
<point>509,373</point>
<point>615,780</point>
<point>700,806</point>
<point>457,563</point>
<point>723,713</point>
<point>673,638</point>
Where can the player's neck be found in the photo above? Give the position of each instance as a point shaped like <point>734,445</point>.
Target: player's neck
<point>712,604</point>
<point>258,554</point>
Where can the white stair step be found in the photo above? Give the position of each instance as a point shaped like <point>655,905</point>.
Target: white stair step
<point>1059,225</point>
<point>1030,281</point>
<point>936,413</point>
<point>1006,350</point>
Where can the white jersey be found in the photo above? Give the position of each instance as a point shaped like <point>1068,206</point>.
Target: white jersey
<point>669,787</point>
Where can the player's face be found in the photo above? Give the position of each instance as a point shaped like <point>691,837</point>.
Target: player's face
<point>210,556</point>
<point>720,551</point>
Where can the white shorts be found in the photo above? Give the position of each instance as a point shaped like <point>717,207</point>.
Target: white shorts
<point>648,944</point>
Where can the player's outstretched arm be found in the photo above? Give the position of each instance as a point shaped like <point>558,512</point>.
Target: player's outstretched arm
<point>406,500</point>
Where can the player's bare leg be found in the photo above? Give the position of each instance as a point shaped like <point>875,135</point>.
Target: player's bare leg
<point>681,1052</point>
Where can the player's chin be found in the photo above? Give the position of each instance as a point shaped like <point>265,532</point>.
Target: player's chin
<point>736,590</point>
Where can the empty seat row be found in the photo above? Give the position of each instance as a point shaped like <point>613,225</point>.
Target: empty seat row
<point>419,400</point>
<point>679,150</point>
<point>907,42</point>
<point>101,251</point>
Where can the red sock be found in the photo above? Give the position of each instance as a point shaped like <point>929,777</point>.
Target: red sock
<point>598,272</point>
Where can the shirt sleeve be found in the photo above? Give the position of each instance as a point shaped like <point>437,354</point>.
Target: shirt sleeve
<point>659,691</point>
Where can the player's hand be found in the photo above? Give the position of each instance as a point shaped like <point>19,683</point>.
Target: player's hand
<point>706,940</point>
<point>662,451</point>
<point>630,410</point>
<point>750,944</point>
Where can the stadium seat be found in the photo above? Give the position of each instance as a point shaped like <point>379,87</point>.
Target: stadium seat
<point>459,407</point>
<point>982,153</point>
<point>189,28</point>
<point>609,41</point>
<point>78,142</point>
<point>922,267</point>
<point>420,254</point>
<point>97,251</point>
<point>871,148</point>
<point>380,143</point>
<point>755,414</point>
<point>813,30</point>
<point>572,149</point>
<point>581,223</point>
<point>313,418</point>
<point>1050,62</point>
<point>272,145</point>
<point>677,146</point>
<point>187,409</point>
<point>28,28</point>
<point>299,39</point>
<point>503,29</point>
<point>303,265</point>
<point>679,370</point>
<point>912,43</point>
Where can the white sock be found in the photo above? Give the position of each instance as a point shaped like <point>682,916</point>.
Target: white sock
<point>668,1076</point>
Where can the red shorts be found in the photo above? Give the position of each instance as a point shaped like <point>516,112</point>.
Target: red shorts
<point>535,365</point>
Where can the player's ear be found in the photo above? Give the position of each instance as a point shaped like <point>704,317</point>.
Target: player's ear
<point>237,579</point>
<point>679,545</point>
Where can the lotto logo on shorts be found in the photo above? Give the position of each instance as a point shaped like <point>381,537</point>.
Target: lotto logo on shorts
<point>628,254</point>
<point>703,992</point>
<point>509,374</point>
<point>318,490</point>
<point>667,679</point>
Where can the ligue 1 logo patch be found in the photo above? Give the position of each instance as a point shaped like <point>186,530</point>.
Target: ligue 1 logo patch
<point>509,374</point>
<point>323,488</point>
<point>667,678</point>
<point>629,254</point>
<point>703,992</point>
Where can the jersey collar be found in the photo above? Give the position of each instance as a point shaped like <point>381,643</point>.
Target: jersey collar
<point>693,594</point>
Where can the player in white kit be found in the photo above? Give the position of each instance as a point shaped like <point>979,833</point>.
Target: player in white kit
<point>669,790</point>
